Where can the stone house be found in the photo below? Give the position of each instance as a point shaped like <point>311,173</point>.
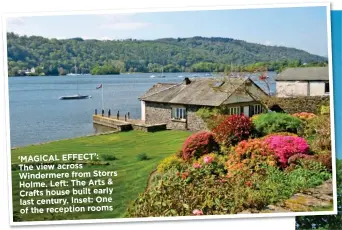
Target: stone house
<point>176,104</point>
<point>305,81</point>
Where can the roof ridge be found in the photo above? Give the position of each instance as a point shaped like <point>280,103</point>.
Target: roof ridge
<point>175,84</point>
<point>244,80</point>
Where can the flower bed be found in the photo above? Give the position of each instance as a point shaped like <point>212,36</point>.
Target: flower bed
<point>248,173</point>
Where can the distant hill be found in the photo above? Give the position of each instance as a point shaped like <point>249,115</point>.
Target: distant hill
<point>52,56</point>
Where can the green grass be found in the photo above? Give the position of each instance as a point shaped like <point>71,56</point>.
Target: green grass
<point>132,173</point>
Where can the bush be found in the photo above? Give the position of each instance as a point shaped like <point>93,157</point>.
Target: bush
<point>304,116</point>
<point>233,129</point>
<point>318,130</point>
<point>295,159</point>
<point>306,161</point>
<point>286,146</point>
<point>207,113</point>
<point>212,116</point>
<point>269,123</point>
<point>312,165</point>
<point>215,121</point>
<point>197,145</point>
<point>325,110</point>
<point>208,165</point>
<point>280,134</point>
<point>279,185</point>
<point>255,117</point>
<point>108,157</point>
<point>250,157</point>
<point>163,200</point>
<point>170,162</point>
<point>142,157</point>
<point>214,195</point>
<point>324,159</point>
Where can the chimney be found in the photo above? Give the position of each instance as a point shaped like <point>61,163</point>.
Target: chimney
<point>187,81</point>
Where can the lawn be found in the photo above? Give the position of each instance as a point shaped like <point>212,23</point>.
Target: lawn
<point>132,172</point>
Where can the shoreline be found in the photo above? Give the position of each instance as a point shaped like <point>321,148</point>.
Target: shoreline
<point>65,139</point>
<point>128,73</point>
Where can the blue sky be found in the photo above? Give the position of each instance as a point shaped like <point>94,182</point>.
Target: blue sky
<point>299,27</point>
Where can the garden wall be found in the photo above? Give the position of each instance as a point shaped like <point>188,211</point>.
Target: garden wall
<point>298,104</point>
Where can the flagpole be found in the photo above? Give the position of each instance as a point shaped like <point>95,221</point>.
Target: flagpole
<point>102,96</point>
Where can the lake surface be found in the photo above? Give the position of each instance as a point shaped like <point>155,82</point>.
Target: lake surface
<point>37,115</point>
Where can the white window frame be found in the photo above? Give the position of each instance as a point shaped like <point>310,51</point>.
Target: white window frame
<point>178,113</point>
<point>234,110</point>
<point>257,109</point>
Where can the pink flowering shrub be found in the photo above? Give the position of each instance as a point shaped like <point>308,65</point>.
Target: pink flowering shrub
<point>286,146</point>
<point>196,165</point>
<point>208,159</point>
<point>197,212</point>
<point>197,145</point>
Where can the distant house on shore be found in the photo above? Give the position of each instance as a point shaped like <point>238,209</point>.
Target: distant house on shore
<point>177,104</point>
<point>305,81</point>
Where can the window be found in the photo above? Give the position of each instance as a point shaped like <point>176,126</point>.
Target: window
<point>234,110</point>
<point>326,90</point>
<point>178,113</point>
<point>256,109</point>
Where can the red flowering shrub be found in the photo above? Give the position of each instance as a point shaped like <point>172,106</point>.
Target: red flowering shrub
<point>286,146</point>
<point>197,145</point>
<point>249,156</point>
<point>233,129</point>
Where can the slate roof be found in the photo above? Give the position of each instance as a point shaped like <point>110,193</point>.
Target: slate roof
<point>201,91</point>
<point>304,74</point>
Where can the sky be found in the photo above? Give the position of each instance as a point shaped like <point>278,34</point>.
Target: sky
<point>303,28</point>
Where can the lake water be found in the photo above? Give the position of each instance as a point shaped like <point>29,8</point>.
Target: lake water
<point>37,115</point>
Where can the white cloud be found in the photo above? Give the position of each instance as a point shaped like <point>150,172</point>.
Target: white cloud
<point>125,25</point>
<point>122,22</point>
<point>15,22</point>
<point>85,37</point>
<point>16,25</point>
<point>267,43</point>
<point>106,38</point>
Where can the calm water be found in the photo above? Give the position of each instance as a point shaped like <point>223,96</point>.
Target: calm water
<point>37,115</point>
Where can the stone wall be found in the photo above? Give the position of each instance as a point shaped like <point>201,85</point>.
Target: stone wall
<point>195,123</point>
<point>149,128</point>
<point>157,113</point>
<point>298,104</point>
